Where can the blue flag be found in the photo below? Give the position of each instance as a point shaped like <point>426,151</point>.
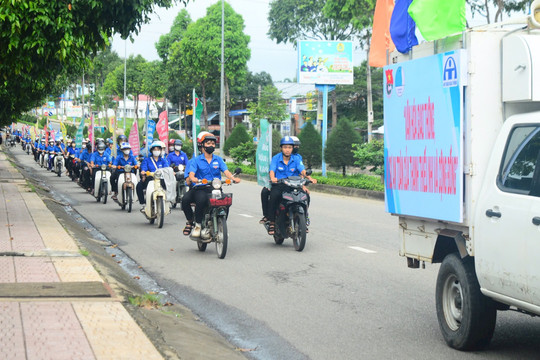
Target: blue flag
<point>402,27</point>
<point>151,128</point>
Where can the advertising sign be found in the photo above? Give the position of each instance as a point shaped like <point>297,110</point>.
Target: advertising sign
<point>423,149</point>
<point>325,62</point>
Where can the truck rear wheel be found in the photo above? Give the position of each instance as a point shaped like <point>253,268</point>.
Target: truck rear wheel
<point>466,317</point>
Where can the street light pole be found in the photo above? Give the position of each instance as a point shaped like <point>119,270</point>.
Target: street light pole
<point>222,116</point>
<point>125,66</point>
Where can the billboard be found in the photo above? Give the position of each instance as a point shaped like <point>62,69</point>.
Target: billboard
<point>423,137</point>
<point>325,62</point>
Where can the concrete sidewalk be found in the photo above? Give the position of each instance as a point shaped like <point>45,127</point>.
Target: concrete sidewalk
<point>53,303</point>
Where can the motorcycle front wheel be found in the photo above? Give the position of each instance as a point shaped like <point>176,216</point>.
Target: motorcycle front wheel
<point>299,234</point>
<point>58,170</point>
<point>201,245</point>
<point>98,197</point>
<point>160,211</point>
<point>222,237</point>
<point>104,192</point>
<point>129,199</point>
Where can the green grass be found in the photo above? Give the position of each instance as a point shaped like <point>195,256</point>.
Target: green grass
<point>84,252</point>
<point>149,301</point>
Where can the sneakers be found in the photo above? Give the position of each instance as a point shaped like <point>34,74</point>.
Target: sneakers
<point>196,230</point>
<point>143,207</point>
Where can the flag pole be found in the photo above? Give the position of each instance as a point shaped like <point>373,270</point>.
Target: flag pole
<point>193,127</point>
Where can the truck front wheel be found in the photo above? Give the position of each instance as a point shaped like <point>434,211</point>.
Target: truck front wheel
<point>466,317</point>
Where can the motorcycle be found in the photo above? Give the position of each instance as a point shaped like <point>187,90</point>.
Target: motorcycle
<point>28,148</point>
<point>214,224</point>
<point>42,158</point>
<point>101,183</point>
<point>127,182</point>
<point>157,205</point>
<point>181,187</point>
<point>291,214</point>
<point>58,163</point>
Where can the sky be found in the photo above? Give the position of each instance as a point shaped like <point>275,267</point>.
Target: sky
<point>277,60</point>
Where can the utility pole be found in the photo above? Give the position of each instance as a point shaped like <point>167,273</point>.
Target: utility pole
<point>222,116</point>
<point>125,67</point>
<point>82,89</point>
<point>369,102</point>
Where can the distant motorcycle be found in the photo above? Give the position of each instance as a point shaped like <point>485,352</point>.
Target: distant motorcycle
<point>58,163</point>
<point>101,183</point>
<point>214,224</point>
<point>157,205</point>
<point>181,187</point>
<point>291,214</point>
<point>127,182</point>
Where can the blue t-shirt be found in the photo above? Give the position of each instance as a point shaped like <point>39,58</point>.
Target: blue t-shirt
<point>205,170</point>
<point>121,161</point>
<point>149,164</point>
<point>281,170</point>
<point>99,160</point>
<point>85,155</point>
<point>172,158</point>
<point>72,150</point>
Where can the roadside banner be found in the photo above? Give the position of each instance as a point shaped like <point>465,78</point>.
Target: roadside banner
<point>162,127</point>
<point>133,139</point>
<point>195,121</point>
<point>264,154</point>
<point>151,127</point>
<point>79,135</point>
<point>64,131</point>
<point>91,132</point>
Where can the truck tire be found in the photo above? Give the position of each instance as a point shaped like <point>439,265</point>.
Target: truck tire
<point>466,317</point>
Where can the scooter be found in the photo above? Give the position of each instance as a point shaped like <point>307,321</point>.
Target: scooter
<point>101,183</point>
<point>181,187</point>
<point>28,148</point>
<point>127,182</point>
<point>58,163</point>
<point>157,205</point>
<point>214,224</point>
<point>42,156</point>
<point>291,214</point>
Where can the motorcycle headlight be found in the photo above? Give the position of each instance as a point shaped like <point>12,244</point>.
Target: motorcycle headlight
<point>216,184</point>
<point>158,174</point>
<point>103,167</point>
<point>181,168</point>
<point>127,168</point>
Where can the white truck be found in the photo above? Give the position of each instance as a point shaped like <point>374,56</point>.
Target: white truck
<point>462,171</point>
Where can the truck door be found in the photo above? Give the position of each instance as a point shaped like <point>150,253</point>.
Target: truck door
<point>507,221</point>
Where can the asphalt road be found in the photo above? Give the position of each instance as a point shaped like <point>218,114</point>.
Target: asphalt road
<point>348,295</point>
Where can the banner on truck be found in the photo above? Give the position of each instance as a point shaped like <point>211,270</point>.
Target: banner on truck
<point>423,149</point>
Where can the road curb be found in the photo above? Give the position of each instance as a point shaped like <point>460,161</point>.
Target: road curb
<point>333,189</point>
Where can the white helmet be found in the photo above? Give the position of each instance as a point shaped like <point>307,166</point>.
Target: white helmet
<point>157,143</point>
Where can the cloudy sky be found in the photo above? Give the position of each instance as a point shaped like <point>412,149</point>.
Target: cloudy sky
<point>278,60</point>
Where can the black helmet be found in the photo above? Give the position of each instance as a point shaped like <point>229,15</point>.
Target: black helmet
<point>101,146</point>
<point>122,139</point>
<point>178,142</point>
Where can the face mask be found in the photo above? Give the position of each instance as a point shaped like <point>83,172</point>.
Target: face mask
<point>126,152</point>
<point>177,148</point>
<point>100,151</point>
<point>156,153</point>
<point>171,148</point>
<point>209,149</point>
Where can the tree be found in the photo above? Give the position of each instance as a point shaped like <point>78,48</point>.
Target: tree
<point>370,154</point>
<point>270,106</point>
<point>276,139</point>
<point>338,152</point>
<point>249,91</point>
<point>238,136</point>
<point>154,79</point>
<point>178,28</point>
<point>311,145</point>
<point>44,43</point>
<point>482,7</point>
<point>134,79</point>
<point>197,56</point>
<point>244,152</point>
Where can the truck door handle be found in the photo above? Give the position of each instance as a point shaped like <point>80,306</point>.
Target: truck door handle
<point>491,213</point>
<point>536,220</point>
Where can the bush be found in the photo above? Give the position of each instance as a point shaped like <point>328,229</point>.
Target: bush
<point>42,122</point>
<point>311,146</point>
<point>245,151</point>
<point>359,181</point>
<point>188,147</point>
<point>339,148</point>
<point>370,154</point>
<point>238,136</point>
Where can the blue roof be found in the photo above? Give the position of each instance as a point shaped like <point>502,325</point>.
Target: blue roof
<point>238,112</point>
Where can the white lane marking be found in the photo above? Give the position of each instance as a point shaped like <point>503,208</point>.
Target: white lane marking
<point>244,215</point>
<point>367,251</point>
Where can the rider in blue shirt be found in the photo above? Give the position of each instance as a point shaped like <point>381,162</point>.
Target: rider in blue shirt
<point>283,165</point>
<point>176,155</point>
<point>99,158</point>
<point>125,158</point>
<point>71,154</point>
<point>205,166</point>
<point>152,163</point>
<point>50,149</point>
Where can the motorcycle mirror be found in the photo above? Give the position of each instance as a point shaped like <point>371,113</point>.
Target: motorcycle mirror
<point>237,171</point>
<point>309,172</point>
